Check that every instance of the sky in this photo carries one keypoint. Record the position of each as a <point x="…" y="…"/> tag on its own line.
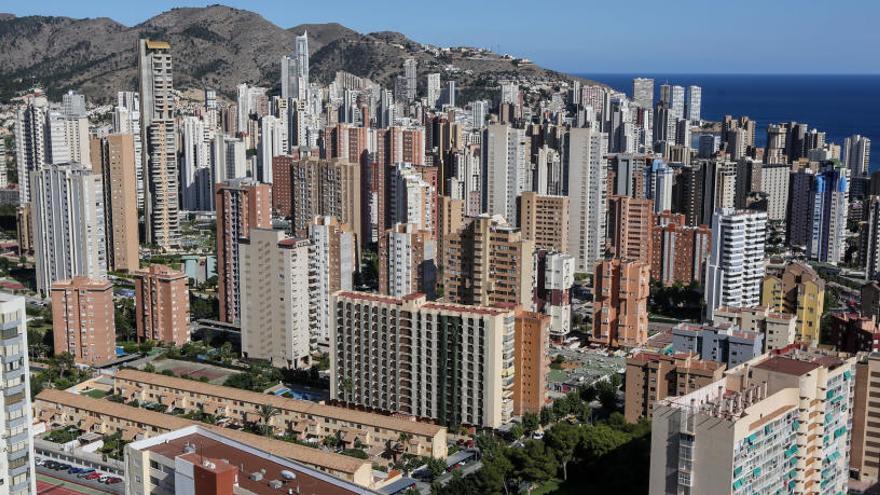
<point x="583" y="36"/>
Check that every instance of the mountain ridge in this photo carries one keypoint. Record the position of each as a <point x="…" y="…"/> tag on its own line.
<point x="219" y="47"/>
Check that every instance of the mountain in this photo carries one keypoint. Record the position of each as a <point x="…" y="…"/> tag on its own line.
<point x="220" y="47"/>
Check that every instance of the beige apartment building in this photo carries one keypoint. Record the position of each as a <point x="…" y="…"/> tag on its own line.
<point x="162" y="305"/>
<point x="446" y="362"/>
<point x="274" y="290"/>
<point x="798" y="290"/>
<point x="652" y="376"/>
<point x="779" y="329"/>
<point x="305" y="419"/>
<point x="113" y="159"/>
<point x="620" y="302"/>
<point x="543" y="219"/>
<point x="58" y="408"/>
<point x="488" y="262"/>
<point x="83" y="319"/>
<point x="864" y="462"/>
<point x="532" y="362"/>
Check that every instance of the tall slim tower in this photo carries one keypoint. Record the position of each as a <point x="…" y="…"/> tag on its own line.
<point x="17" y="468"/>
<point x="694" y="102"/>
<point x="643" y="92"/>
<point x="586" y="183"/>
<point x="735" y="269"/>
<point x="159" y="137"/>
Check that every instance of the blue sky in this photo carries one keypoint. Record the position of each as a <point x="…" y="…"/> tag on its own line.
<point x="646" y="36"/>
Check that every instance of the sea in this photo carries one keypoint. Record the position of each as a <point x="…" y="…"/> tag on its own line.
<point x="839" y="105"/>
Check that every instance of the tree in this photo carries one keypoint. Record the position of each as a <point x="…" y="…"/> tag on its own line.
<point x="530" y="422"/>
<point x="267" y="412"/>
<point x="562" y="440"/>
<point x="516" y="431"/>
<point x="436" y="467"/>
<point x="607" y="394"/>
<point x="533" y="462"/>
<point x="598" y="441"/>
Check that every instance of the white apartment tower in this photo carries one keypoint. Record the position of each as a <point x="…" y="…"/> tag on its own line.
<point x="506" y="169"/>
<point x="856" y="155"/>
<point x="586" y="168"/>
<point x="295" y="70"/>
<point x="17" y="461"/>
<point x="68" y="220"/>
<point x="643" y="92"/>
<point x="694" y="102"/>
<point x="735" y="269"/>
<point x="433" y="89"/>
<point x="332" y="262"/>
<point x="274" y="278"/>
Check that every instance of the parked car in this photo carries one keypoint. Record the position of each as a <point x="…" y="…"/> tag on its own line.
<point x="74" y="470"/>
<point x="62" y="466"/>
<point x="93" y="475"/>
<point x="85" y="472"/>
<point x="113" y="481"/>
<point x="103" y="478"/>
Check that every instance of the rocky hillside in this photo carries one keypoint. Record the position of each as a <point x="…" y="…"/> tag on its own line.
<point x="220" y="47"/>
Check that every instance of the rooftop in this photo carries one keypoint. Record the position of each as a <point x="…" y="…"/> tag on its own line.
<point x="216" y="451"/>
<point x="300" y="406"/>
<point x="167" y="422"/>
<point x="787" y="365"/>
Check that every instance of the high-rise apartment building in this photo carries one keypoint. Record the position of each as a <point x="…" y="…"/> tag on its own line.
<point x="735" y="268"/>
<point x="829" y="202"/>
<point x="869" y="242"/>
<point x="554" y="272"/>
<point x="800" y="291"/>
<point x="412" y="196"/>
<point x="83" y="320"/>
<point x="798" y="225"/>
<point x="643" y="92"/>
<point x="451" y="363"/>
<point x="31" y="135"/>
<point x="159" y="138"/>
<point x="775" y="183"/>
<point x="855" y="154"/>
<point x="295" y="70"/>
<point x="586" y="166"/>
<point x="68" y="221"/>
<point x="487" y="262"/>
<point x="620" y="302"/>
<point x="333" y="262"/>
<point x="651" y="377"/>
<point x="433" y="89"/>
<point x="18" y="466"/>
<point x="275" y="298"/>
<point x="544" y="220"/>
<point x="630" y="222"/>
<point x="694" y="102"/>
<point x="325" y="188"/>
<point x="161" y="297"/>
<point x="532" y="362"/>
<point x="658" y="185"/>
<point x="407" y="261"/>
<point x="113" y="159"/>
<point x="506" y="169"/>
<point x="780" y="423"/>
<point x="673" y="97"/>
<point x="863" y="465"/>
<point x="242" y="205"/>
<point x="678" y="251"/>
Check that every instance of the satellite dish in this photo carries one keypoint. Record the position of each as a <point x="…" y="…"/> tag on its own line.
<point x="288" y="475"/>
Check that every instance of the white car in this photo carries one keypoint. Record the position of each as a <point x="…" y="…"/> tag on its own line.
<point x="538" y="435"/>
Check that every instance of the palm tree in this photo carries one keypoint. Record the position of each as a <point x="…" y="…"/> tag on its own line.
<point x="267" y="412"/>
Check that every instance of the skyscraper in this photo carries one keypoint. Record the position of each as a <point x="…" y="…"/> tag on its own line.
<point x="856" y="155"/>
<point x="68" y="220"/>
<point x="620" y="306"/>
<point x="275" y="268"/>
<point x="295" y="70"/>
<point x="532" y="362"/>
<point x="587" y="170"/>
<point x="242" y="205"/>
<point x="828" y="214"/>
<point x="18" y="466"/>
<point x="658" y="185"/>
<point x="630" y="222"/>
<point x="643" y="92"/>
<point x="433" y="89"/>
<point x="333" y="260"/>
<point x="673" y="97"/>
<point x="735" y="269"/>
<point x="159" y="137"/>
<point x="30" y="142"/>
<point x="410" y="77"/>
<point x="113" y="160"/>
<point x="506" y="169"/>
<point x="407" y="261"/>
<point x="694" y="101"/>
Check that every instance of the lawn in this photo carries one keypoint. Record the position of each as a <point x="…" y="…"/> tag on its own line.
<point x="96" y="394"/>
<point x="63" y="435"/>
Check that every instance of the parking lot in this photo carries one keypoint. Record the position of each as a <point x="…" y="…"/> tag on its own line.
<point x="87" y="477"/>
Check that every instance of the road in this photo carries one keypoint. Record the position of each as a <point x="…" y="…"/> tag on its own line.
<point x="470" y="468"/>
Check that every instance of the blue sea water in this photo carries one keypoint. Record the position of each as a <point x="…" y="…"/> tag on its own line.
<point x="839" y="105"/>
